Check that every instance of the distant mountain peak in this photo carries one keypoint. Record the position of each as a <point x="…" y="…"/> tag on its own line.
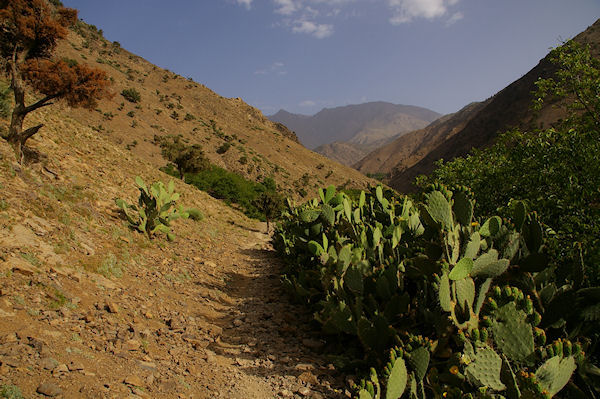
<point x="363" y="124"/>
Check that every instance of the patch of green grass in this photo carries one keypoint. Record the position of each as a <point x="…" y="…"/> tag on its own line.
<point x="31" y="258"/>
<point x="19" y="300"/>
<point x="8" y="391"/>
<point x="58" y="300"/>
<point x="111" y="266"/>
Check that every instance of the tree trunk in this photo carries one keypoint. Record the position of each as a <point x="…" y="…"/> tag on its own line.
<point x="267" y="225"/>
<point x="16" y="136"/>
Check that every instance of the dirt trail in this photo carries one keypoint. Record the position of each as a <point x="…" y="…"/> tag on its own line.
<point x="212" y="323"/>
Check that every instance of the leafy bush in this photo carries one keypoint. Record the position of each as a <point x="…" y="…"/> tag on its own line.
<point x="156" y="209"/>
<point x="227" y="186"/>
<point x="186" y="158"/>
<point x="10" y="392"/>
<point x="554" y="170"/>
<point x="195" y="214"/>
<point x="223" y="148"/>
<point x="131" y="95"/>
<point x="269" y="204"/>
<point x="468" y="305"/>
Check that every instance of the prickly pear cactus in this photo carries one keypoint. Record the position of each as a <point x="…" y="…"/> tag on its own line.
<point x="431" y="280"/>
<point x="155" y="210"/>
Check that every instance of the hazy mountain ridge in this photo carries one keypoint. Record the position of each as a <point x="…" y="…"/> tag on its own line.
<point x="409" y="148"/>
<point x="359" y="124"/>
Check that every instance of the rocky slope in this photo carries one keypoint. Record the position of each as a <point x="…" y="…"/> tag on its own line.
<point x="92" y="309"/>
<point x="254" y="146"/>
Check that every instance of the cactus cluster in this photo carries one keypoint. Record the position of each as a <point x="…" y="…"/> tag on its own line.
<point x="155" y="210"/>
<point x="463" y="302"/>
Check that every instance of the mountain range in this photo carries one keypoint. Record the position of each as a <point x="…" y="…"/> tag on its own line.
<point x="347" y="133"/>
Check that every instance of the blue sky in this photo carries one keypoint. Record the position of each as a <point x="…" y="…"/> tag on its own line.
<point x="303" y="55"/>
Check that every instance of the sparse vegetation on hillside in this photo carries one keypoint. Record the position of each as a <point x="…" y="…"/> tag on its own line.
<point x="29" y="35"/>
<point x="131" y="95"/>
<point x="231" y="188"/>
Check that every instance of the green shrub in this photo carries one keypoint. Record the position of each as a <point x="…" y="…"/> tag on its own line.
<point x="223" y="148"/>
<point x="227" y="186"/>
<point x="195" y="214"/>
<point x="186" y="158"/>
<point x="8" y="391"/>
<point x="554" y="170"/>
<point x="131" y="95"/>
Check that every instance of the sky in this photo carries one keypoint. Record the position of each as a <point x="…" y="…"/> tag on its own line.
<point x="305" y="55"/>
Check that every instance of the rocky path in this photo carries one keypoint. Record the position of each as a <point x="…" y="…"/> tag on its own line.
<point x="194" y="322"/>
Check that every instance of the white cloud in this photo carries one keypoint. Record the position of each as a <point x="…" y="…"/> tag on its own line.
<point x="317" y="18"/>
<point x="245" y="3"/>
<point x="404" y="11"/>
<point x="320" y="31"/>
<point x="286" y="7"/>
<point x="457" y="16"/>
<point x="276" y="68"/>
<point x="310" y="17"/>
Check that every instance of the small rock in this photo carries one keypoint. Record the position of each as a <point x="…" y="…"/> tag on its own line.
<point x="22" y="267"/>
<point x="112" y="307"/>
<point x="150" y="366"/>
<point x="134" y="380"/>
<point x="49" y="389"/>
<point x="9" y="338"/>
<point x="237" y="322"/>
<point x="60" y="369"/>
<point x="308" y="378"/>
<point x="304" y="366"/>
<point x="131" y="345"/>
<point x="304" y="391"/>
<point x="48" y="363"/>
<point x="284" y="393"/>
<point x="75" y="366"/>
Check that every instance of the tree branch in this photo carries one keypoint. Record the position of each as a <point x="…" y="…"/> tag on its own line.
<point x="41" y="103"/>
<point x="30" y="132"/>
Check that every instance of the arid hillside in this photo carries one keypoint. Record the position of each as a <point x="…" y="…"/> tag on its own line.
<point x="472" y="127"/>
<point x="233" y="134"/>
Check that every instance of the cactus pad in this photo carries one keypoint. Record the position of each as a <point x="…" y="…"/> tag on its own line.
<point x="488" y="265"/>
<point x="512" y="333"/>
<point x="555" y="373"/>
<point x="397" y="380"/>
<point x="484" y="371"/>
<point x="439" y="209"/>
